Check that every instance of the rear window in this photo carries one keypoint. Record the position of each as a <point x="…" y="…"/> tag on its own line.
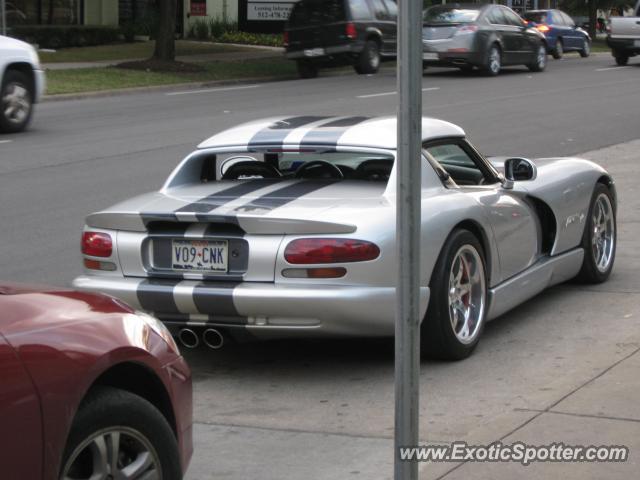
<point x="292" y="165"/>
<point x="444" y="15"/>
<point x="315" y="12"/>
<point x="536" y="17"/>
<point x="359" y="10"/>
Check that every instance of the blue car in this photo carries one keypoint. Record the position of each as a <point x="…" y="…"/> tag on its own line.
<point x="561" y="32"/>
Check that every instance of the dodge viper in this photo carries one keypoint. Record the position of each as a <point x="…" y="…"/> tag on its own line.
<point x="286" y="226"/>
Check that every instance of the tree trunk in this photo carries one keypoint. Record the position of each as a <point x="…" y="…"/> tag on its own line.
<point x="165" y="36"/>
<point x="593" y="9"/>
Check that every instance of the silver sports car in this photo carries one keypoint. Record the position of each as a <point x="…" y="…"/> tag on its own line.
<point x="286" y="226"/>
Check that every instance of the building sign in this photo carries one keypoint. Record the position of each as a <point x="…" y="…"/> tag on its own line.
<point x="268" y="10"/>
<point x="198" y="8"/>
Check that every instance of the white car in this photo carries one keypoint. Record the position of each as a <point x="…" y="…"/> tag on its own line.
<point x="23" y="83"/>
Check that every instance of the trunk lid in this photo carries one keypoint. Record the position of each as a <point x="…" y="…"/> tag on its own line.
<point x="249" y="228"/>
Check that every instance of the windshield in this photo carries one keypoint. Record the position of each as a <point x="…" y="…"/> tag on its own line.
<point x="536" y="17"/>
<point x="444" y="15"/>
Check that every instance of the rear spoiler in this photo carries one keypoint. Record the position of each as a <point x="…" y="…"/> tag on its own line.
<point x="252" y="224"/>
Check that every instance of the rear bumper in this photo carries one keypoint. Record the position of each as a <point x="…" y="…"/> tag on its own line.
<point x="264" y="309"/>
<point x="336" y="54"/>
<point x="625" y="45"/>
<point x="452" y="59"/>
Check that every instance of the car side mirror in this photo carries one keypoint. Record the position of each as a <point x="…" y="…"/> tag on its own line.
<point x="519" y="169"/>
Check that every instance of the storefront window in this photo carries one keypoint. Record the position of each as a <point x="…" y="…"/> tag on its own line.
<point x="43" y="12"/>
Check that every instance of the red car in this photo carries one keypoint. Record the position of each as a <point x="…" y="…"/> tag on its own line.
<point x="89" y="389"/>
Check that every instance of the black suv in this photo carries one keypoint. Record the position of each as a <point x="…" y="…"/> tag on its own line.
<point x="341" y="32"/>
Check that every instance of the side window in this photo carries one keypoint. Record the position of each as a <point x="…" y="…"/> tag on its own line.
<point x="512" y="17"/>
<point x="392" y="8"/>
<point x="568" y="21"/>
<point x="460" y="166"/>
<point x="556" y="18"/>
<point x="496" y="17"/>
<point x="359" y="10"/>
<point x="379" y="10"/>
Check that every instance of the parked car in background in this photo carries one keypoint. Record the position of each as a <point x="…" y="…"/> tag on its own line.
<point x="561" y="32"/>
<point x="624" y="37"/>
<point x="22" y="83"/>
<point x="484" y="36"/>
<point x="341" y="32"/>
<point x="90" y="389"/>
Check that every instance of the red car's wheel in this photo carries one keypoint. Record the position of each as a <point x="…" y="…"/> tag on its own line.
<point x="117" y="434"/>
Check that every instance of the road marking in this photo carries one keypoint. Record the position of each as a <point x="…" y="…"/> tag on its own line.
<point x="610" y="68"/>
<point x="384" y="94"/>
<point x="6" y="141"/>
<point x="212" y="90"/>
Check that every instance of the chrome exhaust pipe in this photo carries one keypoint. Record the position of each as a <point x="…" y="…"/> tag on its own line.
<point x="212" y="338"/>
<point x="188" y="338"/>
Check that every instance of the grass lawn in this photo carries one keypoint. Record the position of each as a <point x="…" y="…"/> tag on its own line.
<point x="125" y="51"/>
<point x="599" y="45"/>
<point x="107" y="78"/>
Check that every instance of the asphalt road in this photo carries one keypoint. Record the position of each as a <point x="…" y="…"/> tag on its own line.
<point x="324" y="409"/>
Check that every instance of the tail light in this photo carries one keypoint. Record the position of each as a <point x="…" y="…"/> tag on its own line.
<point x="285" y="39"/>
<point x="351" y="31"/>
<point x="97" y="244"/>
<point x="464" y="29"/>
<point x="330" y="250"/>
<point x="543" y="28"/>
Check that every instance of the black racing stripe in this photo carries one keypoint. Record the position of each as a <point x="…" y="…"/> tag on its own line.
<point x="287" y="194"/>
<point x="330" y="133"/>
<point x="215" y="299"/>
<point x="150" y="217"/>
<point x="275" y="133"/>
<point x="156" y="295"/>
<point x="218" y="199"/>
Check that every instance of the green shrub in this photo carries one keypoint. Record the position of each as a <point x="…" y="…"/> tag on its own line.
<point x="246" y="38"/>
<point x="199" y="29"/>
<point x="61" y="36"/>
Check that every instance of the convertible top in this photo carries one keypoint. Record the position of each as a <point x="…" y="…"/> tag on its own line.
<point x="325" y="131"/>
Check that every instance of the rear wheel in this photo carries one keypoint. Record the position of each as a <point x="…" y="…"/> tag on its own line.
<point x="599" y="238"/>
<point x="559" y="50"/>
<point x="621" y="59"/>
<point x="369" y="59"/>
<point x="119" y="435"/>
<point x="456" y="314"/>
<point x="493" y="61"/>
<point x="540" y="62"/>
<point x="16" y="102"/>
<point x="585" y="51"/>
<point x="307" y="69"/>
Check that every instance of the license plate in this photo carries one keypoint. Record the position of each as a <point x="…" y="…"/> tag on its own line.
<point x="429" y="56"/>
<point x="314" y="52"/>
<point x="199" y="255"/>
<point x="636" y="43"/>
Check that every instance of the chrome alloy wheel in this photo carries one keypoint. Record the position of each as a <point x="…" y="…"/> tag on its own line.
<point x="603" y="232"/>
<point x="16" y="103"/>
<point x="494" y="60"/>
<point x="117" y="453"/>
<point x="586" y="48"/>
<point x="467" y="292"/>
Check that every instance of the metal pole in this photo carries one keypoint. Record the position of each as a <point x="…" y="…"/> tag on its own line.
<point x="4" y="17"/>
<point x="408" y="186"/>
